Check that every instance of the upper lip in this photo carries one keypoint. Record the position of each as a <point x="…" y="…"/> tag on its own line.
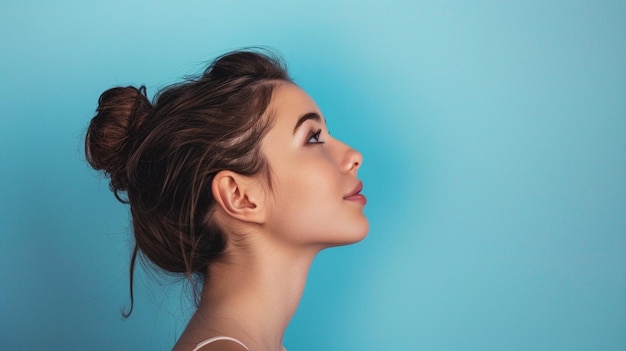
<point x="357" y="189"/>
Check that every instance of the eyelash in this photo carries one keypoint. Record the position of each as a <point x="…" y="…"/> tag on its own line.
<point x="316" y="137"/>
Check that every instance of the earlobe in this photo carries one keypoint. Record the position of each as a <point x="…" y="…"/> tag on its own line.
<point x="237" y="196"/>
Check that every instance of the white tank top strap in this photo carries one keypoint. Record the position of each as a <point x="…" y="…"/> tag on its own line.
<point x="217" y="338"/>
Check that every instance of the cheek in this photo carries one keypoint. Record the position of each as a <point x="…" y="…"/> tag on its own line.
<point x="301" y="201"/>
<point x="307" y="179"/>
<point x="307" y="195"/>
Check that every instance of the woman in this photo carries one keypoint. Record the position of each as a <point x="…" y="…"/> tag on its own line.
<point x="234" y="181"/>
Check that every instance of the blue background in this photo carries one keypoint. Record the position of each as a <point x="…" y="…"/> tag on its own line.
<point x="494" y="141"/>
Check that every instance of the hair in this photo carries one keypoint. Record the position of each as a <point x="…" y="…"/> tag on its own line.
<point x="164" y="155"/>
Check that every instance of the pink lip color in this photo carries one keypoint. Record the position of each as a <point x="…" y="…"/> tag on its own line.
<point x="356" y="196"/>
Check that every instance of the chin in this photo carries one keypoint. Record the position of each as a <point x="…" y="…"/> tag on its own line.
<point x="348" y="238"/>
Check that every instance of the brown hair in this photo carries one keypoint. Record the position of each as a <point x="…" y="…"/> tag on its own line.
<point x="164" y="155"/>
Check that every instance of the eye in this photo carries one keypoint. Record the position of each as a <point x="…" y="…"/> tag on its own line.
<point x="314" y="137"/>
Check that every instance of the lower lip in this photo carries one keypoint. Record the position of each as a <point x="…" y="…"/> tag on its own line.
<point x="360" y="198"/>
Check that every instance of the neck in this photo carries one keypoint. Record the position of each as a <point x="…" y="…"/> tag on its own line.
<point x="253" y="295"/>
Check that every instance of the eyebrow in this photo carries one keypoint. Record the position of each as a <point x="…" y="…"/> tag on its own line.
<point x="306" y="117"/>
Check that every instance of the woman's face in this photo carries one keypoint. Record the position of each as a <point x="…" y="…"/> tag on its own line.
<point x="315" y="193"/>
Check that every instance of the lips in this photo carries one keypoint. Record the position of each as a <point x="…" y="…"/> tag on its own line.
<point x="355" y="195"/>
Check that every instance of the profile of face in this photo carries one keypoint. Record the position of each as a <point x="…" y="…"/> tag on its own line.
<point x="315" y="196"/>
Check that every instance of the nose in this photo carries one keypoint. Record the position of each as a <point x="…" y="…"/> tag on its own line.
<point x="352" y="160"/>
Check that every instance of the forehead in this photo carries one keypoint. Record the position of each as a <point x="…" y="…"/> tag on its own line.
<point x="290" y="102"/>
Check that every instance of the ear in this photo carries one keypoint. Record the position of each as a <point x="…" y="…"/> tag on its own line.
<point x="239" y="196"/>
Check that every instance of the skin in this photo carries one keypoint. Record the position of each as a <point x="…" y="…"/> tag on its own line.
<point x="276" y="230"/>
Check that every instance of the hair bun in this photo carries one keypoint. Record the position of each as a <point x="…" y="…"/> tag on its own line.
<point x="121" y="112"/>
